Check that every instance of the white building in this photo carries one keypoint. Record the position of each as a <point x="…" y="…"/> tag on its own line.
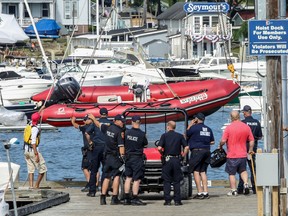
<point x="67" y="12"/>
<point x="192" y="36"/>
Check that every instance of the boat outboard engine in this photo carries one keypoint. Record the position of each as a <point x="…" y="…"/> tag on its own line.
<point x="65" y="90"/>
<point x="138" y="92"/>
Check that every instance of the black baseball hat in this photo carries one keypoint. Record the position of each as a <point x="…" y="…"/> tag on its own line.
<point x="246" y="108"/>
<point x="200" y="116"/>
<point x="103" y="111"/>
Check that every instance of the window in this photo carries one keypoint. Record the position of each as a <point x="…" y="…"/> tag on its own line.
<point x="206" y="20"/>
<point x="197" y="25"/>
<point x="71" y="9"/>
<point x="12" y="9"/>
<point x="45" y="10"/>
<point x="26" y="12"/>
<point x="215" y="21"/>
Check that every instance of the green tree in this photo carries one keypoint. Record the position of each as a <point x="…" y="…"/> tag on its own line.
<point x="242" y="32"/>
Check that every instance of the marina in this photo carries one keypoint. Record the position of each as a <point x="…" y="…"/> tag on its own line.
<point x="225" y="58"/>
<point x="219" y="204"/>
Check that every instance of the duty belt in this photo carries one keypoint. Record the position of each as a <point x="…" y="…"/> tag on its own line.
<point x="168" y="157"/>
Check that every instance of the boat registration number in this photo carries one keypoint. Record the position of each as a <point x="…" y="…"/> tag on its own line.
<point x="194" y="98"/>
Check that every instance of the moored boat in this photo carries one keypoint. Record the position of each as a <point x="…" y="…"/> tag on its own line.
<point x="205" y="96"/>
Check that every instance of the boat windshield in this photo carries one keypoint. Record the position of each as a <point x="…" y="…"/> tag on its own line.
<point x="204" y="61"/>
<point x="70" y="69"/>
<point x="121" y="61"/>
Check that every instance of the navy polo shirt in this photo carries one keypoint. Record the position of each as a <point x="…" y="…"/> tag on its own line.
<point x="135" y="141"/>
<point x="96" y="135"/>
<point x="114" y="137"/>
<point x="255" y="126"/>
<point x="83" y="129"/>
<point x="200" y="136"/>
<point x="172" y="142"/>
<point x="105" y="120"/>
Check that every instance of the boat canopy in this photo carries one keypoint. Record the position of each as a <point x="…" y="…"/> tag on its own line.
<point x="47" y="28"/>
<point x="10" y="31"/>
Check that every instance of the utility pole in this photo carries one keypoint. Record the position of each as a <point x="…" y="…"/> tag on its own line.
<point x="144" y="13"/>
<point x="274" y="101"/>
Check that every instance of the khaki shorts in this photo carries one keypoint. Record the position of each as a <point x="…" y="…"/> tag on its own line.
<point x="31" y="162"/>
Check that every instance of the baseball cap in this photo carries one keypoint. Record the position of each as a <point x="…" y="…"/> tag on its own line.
<point x="35" y="118"/>
<point x="119" y="117"/>
<point x="103" y="111"/>
<point x="246" y="108"/>
<point x="200" y="116"/>
<point x="136" y="118"/>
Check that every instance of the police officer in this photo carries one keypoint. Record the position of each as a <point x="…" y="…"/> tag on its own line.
<point x="103" y="119"/>
<point x="114" y="154"/>
<point x="200" y="137"/>
<point x="135" y="141"/>
<point x="255" y="126"/>
<point x="103" y="116"/>
<point x="85" y="160"/>
<point x="170" y="147"/>
<point x="97" y="142"/>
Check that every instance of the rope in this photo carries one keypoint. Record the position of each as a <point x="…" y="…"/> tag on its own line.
<point x="253" y="172"/>
<point x="142" y="51"/>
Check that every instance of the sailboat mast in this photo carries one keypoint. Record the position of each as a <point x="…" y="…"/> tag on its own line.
<point x="38" y="39"/>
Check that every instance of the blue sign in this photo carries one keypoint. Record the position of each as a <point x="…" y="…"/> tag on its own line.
<point x="268" y="37"/>
<point x="195" y="7"/>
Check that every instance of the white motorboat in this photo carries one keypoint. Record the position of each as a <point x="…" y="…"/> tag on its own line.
<point x="14" y="87"/>
<point x="89" y="78"/>
<point x="247" y="71"/>
<point x="132" y="66"/>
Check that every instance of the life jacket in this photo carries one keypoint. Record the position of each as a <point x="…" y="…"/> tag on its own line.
<point x="27" y="135"/>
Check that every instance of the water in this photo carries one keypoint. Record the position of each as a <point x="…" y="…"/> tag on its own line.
<point x="61" y="148"/>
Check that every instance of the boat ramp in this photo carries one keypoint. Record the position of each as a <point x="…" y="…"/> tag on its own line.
<point x="218" y="204"/>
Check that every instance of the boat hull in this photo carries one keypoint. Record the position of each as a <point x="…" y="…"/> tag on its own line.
<point x="22" y="89"/>
<point x="206" y="97"/>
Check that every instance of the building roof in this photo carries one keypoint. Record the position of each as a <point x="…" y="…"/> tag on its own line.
<point x="175" y="12"/>
<point x="245" y="14"/>
<point x="147" y="32"/>
<point x="154" y="41"/>
<point x="125" y="30"/>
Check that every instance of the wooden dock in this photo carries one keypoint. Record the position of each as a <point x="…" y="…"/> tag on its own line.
<point x="218" y="204"/>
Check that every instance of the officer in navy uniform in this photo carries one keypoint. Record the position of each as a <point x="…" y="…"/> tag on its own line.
<point x="170" y="146"/>
<point x="114" y="154"/>
<point x="255" y="126"/>
<point x="103" y="119"/>
<point x="85" y="160"/>
<point x="135" y="142"/>
<point x="200" y="137"/>
<point x="103" y="116"/>
<point x="97" y="142"/>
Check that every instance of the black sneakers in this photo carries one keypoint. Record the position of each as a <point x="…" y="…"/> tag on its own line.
<point x="90" y="194"/>
<point x="137" y="202"/>
<point x="206" y="196"/>
<point x="102" y="200"/>
<point x="115" y="200"/>
<point x="179" y="203"/>
<point x="232" y="193"/>
<point x="127" y="202"/>
<point x="167" y="203"/>
<point x="246" y="189"/>
<point x="198" y="196"/>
